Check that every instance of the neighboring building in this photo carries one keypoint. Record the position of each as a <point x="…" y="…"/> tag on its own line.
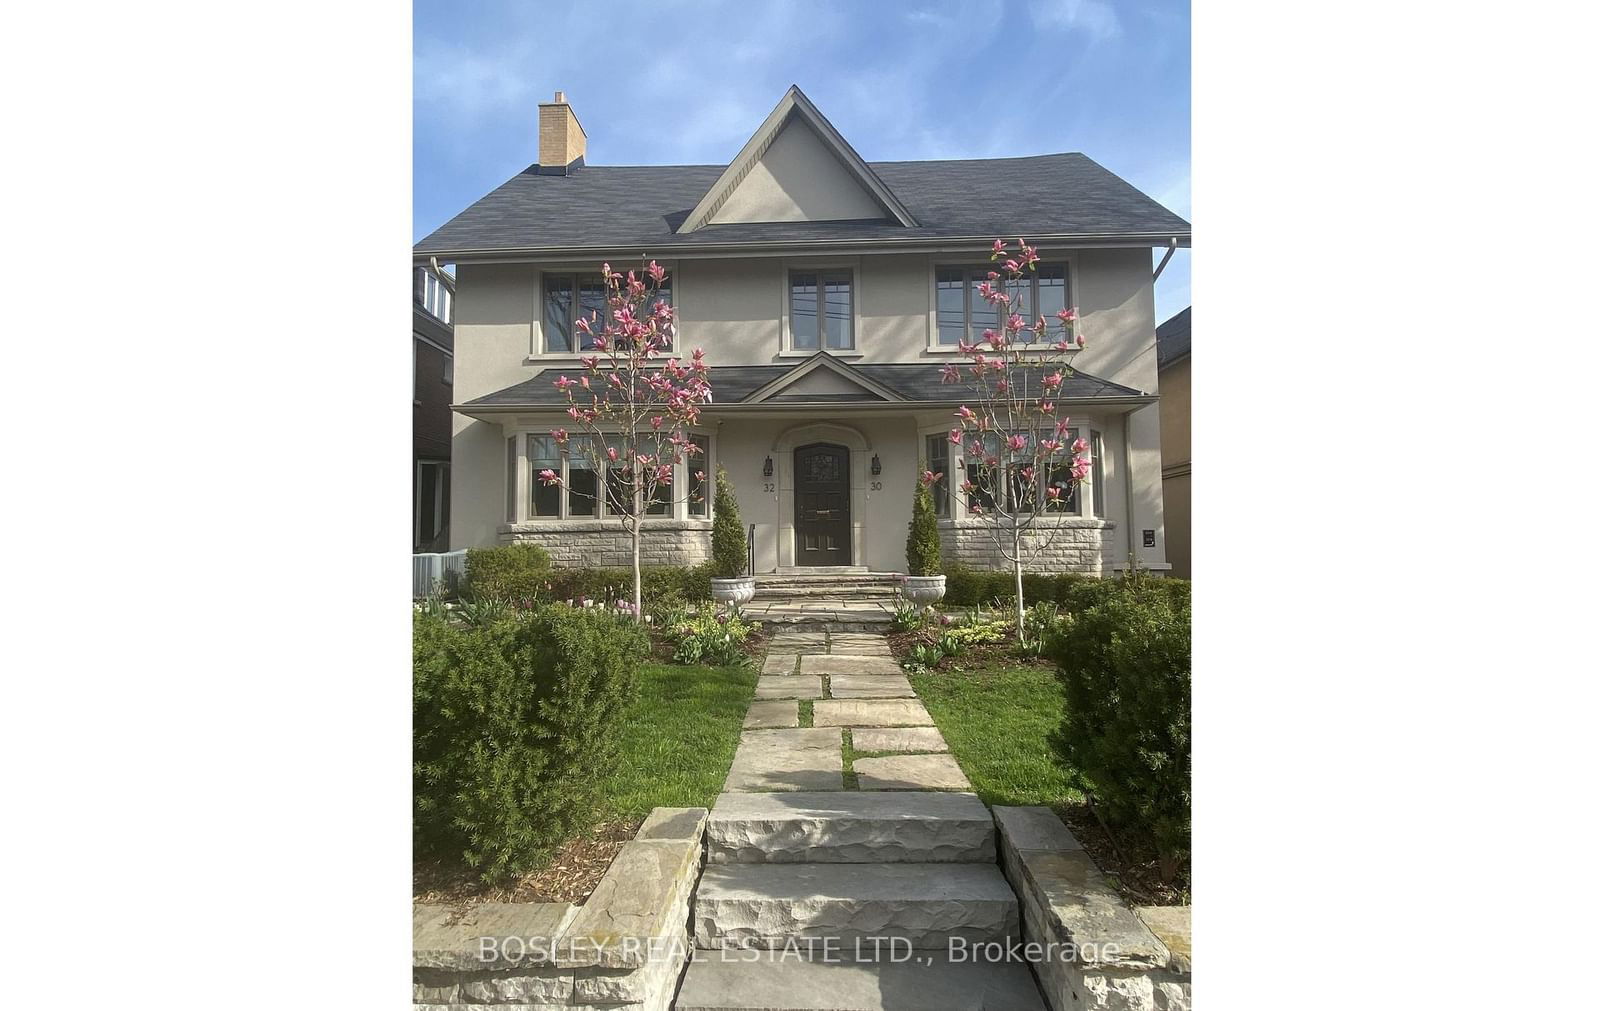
<point x="1172" y="362"/>
<point x="827" y="293"/>
<point x="432" y="389"/>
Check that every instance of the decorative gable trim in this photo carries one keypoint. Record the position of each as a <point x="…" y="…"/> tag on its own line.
<point x="821" y="360"/>
<point x="794" y="103"/>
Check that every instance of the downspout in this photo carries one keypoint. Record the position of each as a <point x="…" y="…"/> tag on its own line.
<point x="1172" y="247"/>
<point x="1127" y="481"/>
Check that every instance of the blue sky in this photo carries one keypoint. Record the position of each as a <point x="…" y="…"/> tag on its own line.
<point x="688" y="82"/>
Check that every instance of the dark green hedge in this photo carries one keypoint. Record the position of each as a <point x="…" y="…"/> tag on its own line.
<point x="522" y="573"/>
<point x="511" y="572"/>
<point x="966" y="587"/>
<point x="510" y="723"/>
<point x="1124" y="665"/>
<point x="661" y="584"/>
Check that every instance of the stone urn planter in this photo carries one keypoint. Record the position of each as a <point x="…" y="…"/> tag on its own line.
<point x="924" y="590"/>
<point x="740" y="589"/>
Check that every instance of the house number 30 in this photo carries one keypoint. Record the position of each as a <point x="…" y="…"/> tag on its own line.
<point x="877" y="486"/>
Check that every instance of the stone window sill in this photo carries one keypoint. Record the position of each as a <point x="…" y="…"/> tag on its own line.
<point x="610" y="526"/>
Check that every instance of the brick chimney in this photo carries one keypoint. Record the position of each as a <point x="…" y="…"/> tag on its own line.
<point x="561" y="138"/>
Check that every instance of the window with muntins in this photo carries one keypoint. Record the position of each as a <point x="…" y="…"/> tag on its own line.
<point x="939" y="463"/>
<point x="822" y="310"/>
<point x="962" y="313"/>
<point x="561" y="313"/>
<point x="698" y="466"/>
<point x="435" y="297"/>
<point x="543" y="454"/>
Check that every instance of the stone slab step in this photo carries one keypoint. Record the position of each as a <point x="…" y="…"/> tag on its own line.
<point x="849" y="827"/>
<point x="776" y="983"/>
<point x="922" y="905"/>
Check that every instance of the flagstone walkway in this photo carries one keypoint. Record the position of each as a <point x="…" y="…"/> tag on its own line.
<point x="844" y="819"/>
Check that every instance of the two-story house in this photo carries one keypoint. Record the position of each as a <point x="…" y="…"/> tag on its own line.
<point x="828" y="293"/>
<point x="432" y="390"/>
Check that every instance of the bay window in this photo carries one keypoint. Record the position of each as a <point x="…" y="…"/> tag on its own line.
<point x="580" y="495"/>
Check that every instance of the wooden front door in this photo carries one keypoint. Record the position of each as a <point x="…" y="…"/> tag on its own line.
<point x="822" y="505"/>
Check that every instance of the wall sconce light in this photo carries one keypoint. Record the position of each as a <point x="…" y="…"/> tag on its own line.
<point x="877" y="465"/>
<point x="766" y="468"/>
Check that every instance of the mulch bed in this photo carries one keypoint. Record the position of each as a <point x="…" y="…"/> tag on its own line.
<point x="1131" y="867"/>
<point x="570" y="876"/>
<point x="978" y="657"/>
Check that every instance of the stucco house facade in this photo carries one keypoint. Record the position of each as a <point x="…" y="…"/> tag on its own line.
<point x="828" y="293"/>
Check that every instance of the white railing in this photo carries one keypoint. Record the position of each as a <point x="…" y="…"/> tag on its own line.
<point x="432" y="571"/>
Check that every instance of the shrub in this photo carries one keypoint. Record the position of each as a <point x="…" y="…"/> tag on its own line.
<point x="1072" y="591"/>
<point x="710" y="638"/>
<point x="662" y="585"/>
<point x="511" y="572"/>
<point x="922" y="541"/>
<point x="1124" y="664"/>
<point x="509" y="722"/>
<point x="727" y="532"/>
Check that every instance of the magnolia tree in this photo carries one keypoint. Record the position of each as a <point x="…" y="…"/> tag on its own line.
<point x="634" y="404"/>
<point x="1020" y="467"/>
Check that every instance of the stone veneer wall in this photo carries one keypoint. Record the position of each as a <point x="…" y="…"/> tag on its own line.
<point x="1080" y="545"/>
<point x="624" y="949"/>
<point x="586" y="543"/>
<point x="1123" y="963"/>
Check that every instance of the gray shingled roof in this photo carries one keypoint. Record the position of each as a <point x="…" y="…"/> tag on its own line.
<point x="613" y="206"/>
<point x="1172" y="339"/>
<point x="731" y="384"/>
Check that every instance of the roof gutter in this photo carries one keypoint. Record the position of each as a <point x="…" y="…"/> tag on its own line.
<point x="666" y="248"/>
<point x="1126" y="403"/>
<point x="1172" y="248"/>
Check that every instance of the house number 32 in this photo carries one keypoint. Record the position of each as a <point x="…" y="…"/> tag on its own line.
<point x="769" y="486"/>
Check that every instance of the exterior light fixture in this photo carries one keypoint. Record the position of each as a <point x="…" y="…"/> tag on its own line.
<point x="877" y="465"/>
<point x="766" y="468"/>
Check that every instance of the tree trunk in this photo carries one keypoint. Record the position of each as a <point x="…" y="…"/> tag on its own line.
<point x="638" y="581"/>
<point x="1016" y="569"/>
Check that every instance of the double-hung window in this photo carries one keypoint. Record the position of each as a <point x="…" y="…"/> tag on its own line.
<point x="571" y="297"/>
<point x="961" y="311"/>
<point x="821" y="310"/>
<point x="939" y="463"/>
<point x="583" y="488"/>
<point x="544" y="500"/>
<point x="698" y="466"/>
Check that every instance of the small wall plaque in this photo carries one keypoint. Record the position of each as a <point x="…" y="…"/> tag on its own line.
<point x="1149" y="538"/>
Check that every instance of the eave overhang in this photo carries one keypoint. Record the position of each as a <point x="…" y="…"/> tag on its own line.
<point x="670" y="250"/>
<point x="499" y="413"/>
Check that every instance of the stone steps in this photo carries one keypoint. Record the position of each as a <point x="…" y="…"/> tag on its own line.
<point x="921" y="905"/>
<point x="850" y="827"/>
<point x="776" y="982"/>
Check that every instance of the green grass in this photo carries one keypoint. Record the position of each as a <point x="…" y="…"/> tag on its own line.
<point x="677" y="740"/>
<point x="998" y="725"/>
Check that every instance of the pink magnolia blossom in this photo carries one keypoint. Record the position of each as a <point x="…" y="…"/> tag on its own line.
<point x="999" y="246"/>
<point x="955" y="436"/>
<point x="657" y="274"/>
<point x="548" y="476"/>
<point x="1017" y="442"/>
<point x="965" y="413"/>
<point x="1053" y="492"/>
<point x="930" y="476"/>
<point x="1047" y="407"/>
<point x="1052" y="381"/>
<point x="590" y="362"/>
<point x="950" y="374"/>
<point x="562" y="383"/>
<point x="560" y="435"/>
<point x="1080" y="446"/>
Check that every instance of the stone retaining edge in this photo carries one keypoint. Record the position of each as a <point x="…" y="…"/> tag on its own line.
<point x="1121" y="960"/>
<point x="626" y="948"/>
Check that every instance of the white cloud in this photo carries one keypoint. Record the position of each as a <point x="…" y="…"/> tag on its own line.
<point x="1093" y="17"/>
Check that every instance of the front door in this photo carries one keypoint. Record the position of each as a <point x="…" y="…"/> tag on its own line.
<point x="822" y="505"/>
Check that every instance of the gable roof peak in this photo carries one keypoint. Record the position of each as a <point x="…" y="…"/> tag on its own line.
<point x="794" y="105"/>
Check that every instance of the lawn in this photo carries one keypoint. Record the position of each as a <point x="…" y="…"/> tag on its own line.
<point x="678" y="740"/>
<point x="998" y="723"/>
<point x="673" y="750"/>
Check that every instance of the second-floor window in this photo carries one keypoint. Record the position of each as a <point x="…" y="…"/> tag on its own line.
<point x="571" y="297"/>
<point x="962" y="312"/>
<point x="821" y="310"/>
<point x="436" y="297"/>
